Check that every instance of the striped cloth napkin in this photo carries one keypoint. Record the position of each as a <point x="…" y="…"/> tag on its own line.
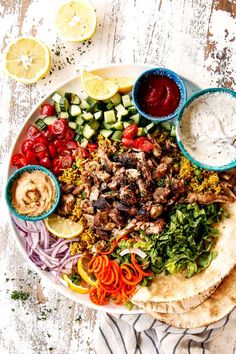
<point x="141" y="334"/>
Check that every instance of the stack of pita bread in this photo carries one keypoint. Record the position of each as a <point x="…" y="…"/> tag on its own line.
<point x="203" y="299"/>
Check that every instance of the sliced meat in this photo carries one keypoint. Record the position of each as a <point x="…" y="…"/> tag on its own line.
<point x="208" y="198"/>
<point x="101" y="219"/>
<point x="102" y="234"/>
<point x="94" y="194"/>
<point x="89" y="219"/>
<point x="157" y="228"/>
<point x="129" y="228"/>
<point x="67" y="188"/>
<point x="132" y="173"/>
<point x="160" y="171"/>
<point x="68" y="201"/>
<point x="117" y="217"/>
<point x="127" y="159"/>
<point x="101" y="204"/>
<point x="103" y="175"/>
<point x="77" y="190"/>
<point x="166" y="160"/>
<point x="129" y="210"/>
<point x="178" y="187"/>
<point x="143" y="188"/>
<point x="156" y="211"/>
<point x="160" y="195"/>
<point x="157" y="150"/>
<point x="127" y="195"/>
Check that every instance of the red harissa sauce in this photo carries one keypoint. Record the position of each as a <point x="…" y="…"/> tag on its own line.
<point x="159" y="96"/>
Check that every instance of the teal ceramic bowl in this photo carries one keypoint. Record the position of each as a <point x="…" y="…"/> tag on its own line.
<point x="15" y="176"/>
<point x="178" y="128"/>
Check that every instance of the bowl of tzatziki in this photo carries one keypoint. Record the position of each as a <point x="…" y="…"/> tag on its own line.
<point x="206" y="129"/>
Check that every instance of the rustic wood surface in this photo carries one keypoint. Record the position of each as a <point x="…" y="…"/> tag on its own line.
<point x="195" y="38"/>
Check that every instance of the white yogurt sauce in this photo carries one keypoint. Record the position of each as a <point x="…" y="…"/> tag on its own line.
<point x="208" y="129"/>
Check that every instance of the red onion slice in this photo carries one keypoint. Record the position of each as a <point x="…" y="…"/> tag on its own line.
<point x="136" y="251"/>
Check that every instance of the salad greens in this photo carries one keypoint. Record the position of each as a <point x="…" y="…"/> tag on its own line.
<point x="185" y="243"/>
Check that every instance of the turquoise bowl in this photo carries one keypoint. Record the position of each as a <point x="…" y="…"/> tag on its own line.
<point x="159" y="72"/>
<point x="179" y="118"/>
<point x="15" y="176"/>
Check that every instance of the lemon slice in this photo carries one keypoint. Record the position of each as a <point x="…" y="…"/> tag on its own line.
<point x="62" y="227"/>
<point x="78" y="288"/>
<point x="97" y="87"/>
<point x="84" y="275"/>
<point x="124" y="84"/>
<point x="27" y="60"/>
<point x="76" y="21"/>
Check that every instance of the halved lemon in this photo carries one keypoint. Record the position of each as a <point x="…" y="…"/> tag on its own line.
<point x="76" y="21"/>
<point x="63" y="227"/>
<point x="84" y="275"/>
<point x="27" y="60"/>
<point x="78" y="288"/>
<point x="97" y="87"/>
<point x="124" y="84"/>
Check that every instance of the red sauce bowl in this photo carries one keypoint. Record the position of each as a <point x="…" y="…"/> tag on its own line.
<point x="158" y="94"/>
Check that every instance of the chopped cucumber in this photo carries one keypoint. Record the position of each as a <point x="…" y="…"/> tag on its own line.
<point x="109" y="106"/>
<point x="74" y="99"/>
<point x="75" y="110"/>
<point x="79" y="120"/>
<point x="84" y="142"/>
<point x="88" y="132"/>
<point x="173" y="131"/>
<point x="141" y="131"/>
<point x="118" y="126"/>
<point x="116" y="99"/>
<point x="72" y="125"/>
<point x="107" y="101"/>
<point x="64" y="104"/>
<point x="78" y="137"/>
<point x="150" y="128"/>
<point x="99" y="106"/>
<point x="40" y="124"/>
<point x="98" y="115"/>
<point x="116" y="136"/>
<point x="106" y="133"/>
<point x="121" y="111"/>
<point x="68" y="96"/>
<point x="108" y="125"/>
<point x="87" y="116"/>
<point x="64" y="115"/>
<point x="91" y="101"/>
<point x="84" y="105"/>
<point x="79" y="129"/>
<point x="49" y="120"/>
<point x="166" y="125"/>
<point x="57" y="107"/>
<point x="136" y="118"/>
<point x="126" y="101"/>
<point x="132" y="110"/>
<point x="126" y="124"/>
<point x="56" y="97"/>
<point x="109" y="116"/>
<point x="94" y="124"/>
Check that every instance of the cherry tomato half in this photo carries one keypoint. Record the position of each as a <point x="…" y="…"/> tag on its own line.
<point x="42" y="154"/>
<point x="58" y="127"/>
<point x="46" y="162"/>
<point x="66" y="161"/>
<point x="92" y="147"/>
<point x="42" y="140"/>
<point x="30" y="156"/>
<point x="82" y="152"/>
<point x="71" y="145"/>
<point x="32" y="132"/>
<point x="70" y="134"/>
<point x="57" y="170"/>
<point x="38" y="147"/>
<point x="52" y="149"/>
<point x="18" y="160"/>
<point x="127" y="142"/>
<point x="58" y="143"/>
<point x="47" y="134"/>
<point x="47" y="109"/>
<point x="27" y="145"/>
<point x="63" y="151"/>
<point x="130" y="132"/>
<point x="143" y="144"/>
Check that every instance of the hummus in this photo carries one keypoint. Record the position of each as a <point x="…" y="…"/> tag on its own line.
<point x="33" y="193"/>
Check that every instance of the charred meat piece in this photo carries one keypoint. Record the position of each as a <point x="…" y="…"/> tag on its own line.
<point x="86" y="206"/>
<point x="89" y="219"/>
<point x="102" y="234"/>
<point x="103" y="175"/>
<point x="117" y="217"/>
<point x="127" y="210"/>
<point x="178" y="187"/>
<point x="166" y="160"/>
<point x="101" y="219"/>
<point x="157" y="228"/>
<point x="101" y="204"/>
<point x="157" y="150"/>
<point x="143" y="188"/>
<point x="156" y="211"/>
<point x="127" y="195"/>
<point x="129" y="228"/>
<point x="142" y="215"/>
<point x="132" y="173"/>
<point x="68" y="201"/>
<point x="67" y="188"/>
<point x="208" y="198"/>
<point x="77" y="190"/>
<point x="127" y="159"/>
<point x="160" y="171"/>
<point x="94" y="194"/>
<point x="160" y="195"/>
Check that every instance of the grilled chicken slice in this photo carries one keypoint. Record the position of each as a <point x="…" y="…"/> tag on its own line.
<point x="208" y="198"/>
<point x="117" y="217"/>
<point x="160" y="195"/>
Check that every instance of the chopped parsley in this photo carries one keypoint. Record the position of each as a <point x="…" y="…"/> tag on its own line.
<point x="19" y="295"/>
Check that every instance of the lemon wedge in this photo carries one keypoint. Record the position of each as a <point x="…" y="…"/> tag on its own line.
<point x="97" y="87"/>
<point x="62" y="227"/>
<point x="84" y="275"/>
<point x="27" y="60"/>
<point x="124" y="84"/>
<point x="78" y="288"/>
<point x="76" y="21"/>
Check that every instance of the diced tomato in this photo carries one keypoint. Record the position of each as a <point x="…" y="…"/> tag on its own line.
<point x="52" y="149"/>
<point x="56" y="161"/>
<point x="70" y="134"/>
<point x="130" y="132"/>
<point x="47" y="110"/>
<point x="46" y="162"/>
<point x="58" y="143"/>
<point x="92" y="147"/>
<point x="38" y="147"/>
<point x="71" y="145"/>
<point x="27" y="145"/>
<point x="127" y="142"/>
<point x="64" y="121"/>
<point x="30" y="156"/>
<point x="56" y="170"/>
<point x="142" y="143"/>
<point x="32" y="132"/>
<point x="66" y="161"/>
<point x="42" y="154"/>
<point x="58" y="127"/>
<point x="47" y="134"/>
<point x="63" y="151"/>
<point x="18" y="160"/>
<point x="82" y="152"/>
<point x="42" y="140"/>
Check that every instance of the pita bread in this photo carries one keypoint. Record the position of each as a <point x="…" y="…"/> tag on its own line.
<point x="218" y="305"/>
<point x="176" y="293"/>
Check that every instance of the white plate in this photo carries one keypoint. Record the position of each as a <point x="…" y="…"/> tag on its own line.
<point x="74" y="85"/>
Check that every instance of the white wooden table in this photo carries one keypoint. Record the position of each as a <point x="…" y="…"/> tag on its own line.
<point x="194" y="38"/>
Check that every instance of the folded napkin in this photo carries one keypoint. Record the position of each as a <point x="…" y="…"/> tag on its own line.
<point x="141" y="334"/>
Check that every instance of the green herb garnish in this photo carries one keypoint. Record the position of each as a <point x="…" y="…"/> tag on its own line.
<point x="19" y="295"/>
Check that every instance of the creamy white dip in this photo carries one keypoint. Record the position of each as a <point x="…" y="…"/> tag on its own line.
<point x="208" y="129"/>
